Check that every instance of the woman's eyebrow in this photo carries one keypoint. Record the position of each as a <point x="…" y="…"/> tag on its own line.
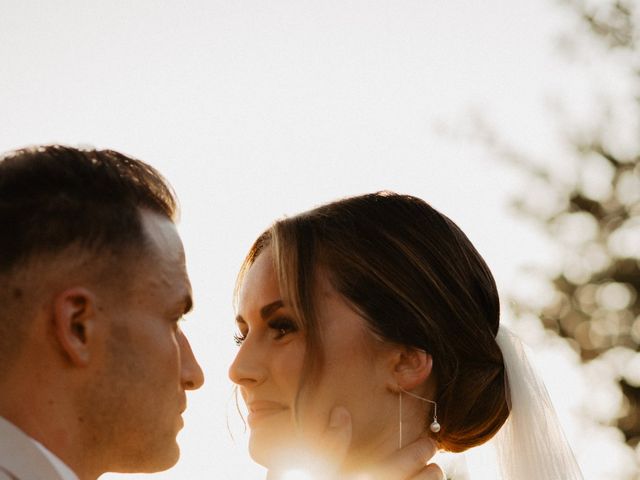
<point x="265" y="311"/>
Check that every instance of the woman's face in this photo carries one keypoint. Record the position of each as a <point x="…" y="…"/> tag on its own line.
<point x="268" y="369"/>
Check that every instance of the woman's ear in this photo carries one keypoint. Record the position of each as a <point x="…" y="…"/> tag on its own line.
<point x="74" y="312"/>
<point x="410" y="368"/>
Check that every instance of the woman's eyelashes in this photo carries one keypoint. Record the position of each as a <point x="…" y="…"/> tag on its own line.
<point x="280" y="326"/>
<point x="238" y="338"/>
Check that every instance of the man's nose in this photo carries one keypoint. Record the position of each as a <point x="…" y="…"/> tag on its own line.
<point x="192" y="375"/>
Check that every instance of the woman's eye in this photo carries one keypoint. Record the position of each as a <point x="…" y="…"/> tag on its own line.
<point x="282" y="327"/>
<point x="238" y="338"/>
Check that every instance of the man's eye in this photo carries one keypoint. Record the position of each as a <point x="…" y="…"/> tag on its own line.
<point x="282" y="327"/>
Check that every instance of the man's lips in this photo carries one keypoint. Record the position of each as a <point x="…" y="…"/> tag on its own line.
<point x="261" y="409"/>
<point x="183" y="408"/>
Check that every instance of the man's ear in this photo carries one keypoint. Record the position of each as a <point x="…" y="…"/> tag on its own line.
<point x="410" y="367"/>
<point x="74" y="323"/>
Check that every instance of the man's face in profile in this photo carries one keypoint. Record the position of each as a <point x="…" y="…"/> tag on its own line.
<point x="140" y="385"/>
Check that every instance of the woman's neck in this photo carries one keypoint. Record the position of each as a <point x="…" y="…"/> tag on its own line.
<point x="366" y="456"/>
<point x="371" y="444"/>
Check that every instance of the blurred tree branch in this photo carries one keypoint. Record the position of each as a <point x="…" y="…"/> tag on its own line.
<point x="596" y="301"/>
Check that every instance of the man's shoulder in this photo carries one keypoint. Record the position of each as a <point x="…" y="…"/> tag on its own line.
<point x="20" y="457"/>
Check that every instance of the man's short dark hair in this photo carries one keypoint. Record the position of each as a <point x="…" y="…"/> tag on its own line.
<point x="85" y="204"/>
<point x="54" y="197"/>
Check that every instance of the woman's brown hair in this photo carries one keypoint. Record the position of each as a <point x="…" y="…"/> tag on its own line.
<point x="418" y="281"/>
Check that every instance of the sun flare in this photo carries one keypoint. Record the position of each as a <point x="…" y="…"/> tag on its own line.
<point x="297" y="475"/>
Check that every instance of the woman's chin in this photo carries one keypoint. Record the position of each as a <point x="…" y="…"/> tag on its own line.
<point x="270" y="450"/>
<point x="281" y="453"/>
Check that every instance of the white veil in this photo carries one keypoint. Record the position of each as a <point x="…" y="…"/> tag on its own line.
<point x="531" y="445"/>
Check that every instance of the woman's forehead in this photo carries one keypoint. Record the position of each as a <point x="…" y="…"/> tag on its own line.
<point x="259" y="284"/>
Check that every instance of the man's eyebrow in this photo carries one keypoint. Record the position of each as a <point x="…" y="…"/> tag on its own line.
<point x="265" y="311"/>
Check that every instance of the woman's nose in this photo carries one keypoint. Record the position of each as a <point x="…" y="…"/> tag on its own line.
<point x="248" y="368"/>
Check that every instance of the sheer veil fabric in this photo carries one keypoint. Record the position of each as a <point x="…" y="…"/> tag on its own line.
<point x="531" y="445"/>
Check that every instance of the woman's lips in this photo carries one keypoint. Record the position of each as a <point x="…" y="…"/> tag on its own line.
<point x="259" y="410"/>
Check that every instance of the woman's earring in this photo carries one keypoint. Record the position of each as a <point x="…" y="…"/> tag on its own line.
<point x="434" y="427"/>
<point x="399" y="418"/>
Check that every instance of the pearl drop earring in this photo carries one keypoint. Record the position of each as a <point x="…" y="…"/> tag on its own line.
<point x="434" y="427"/>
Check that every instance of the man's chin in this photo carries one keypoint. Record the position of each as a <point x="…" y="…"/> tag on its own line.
<point x="168" y="459"/>
<point x="151" y="461"/>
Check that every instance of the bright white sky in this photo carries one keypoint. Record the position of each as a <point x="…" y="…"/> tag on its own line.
<point x="257" y="109"/>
